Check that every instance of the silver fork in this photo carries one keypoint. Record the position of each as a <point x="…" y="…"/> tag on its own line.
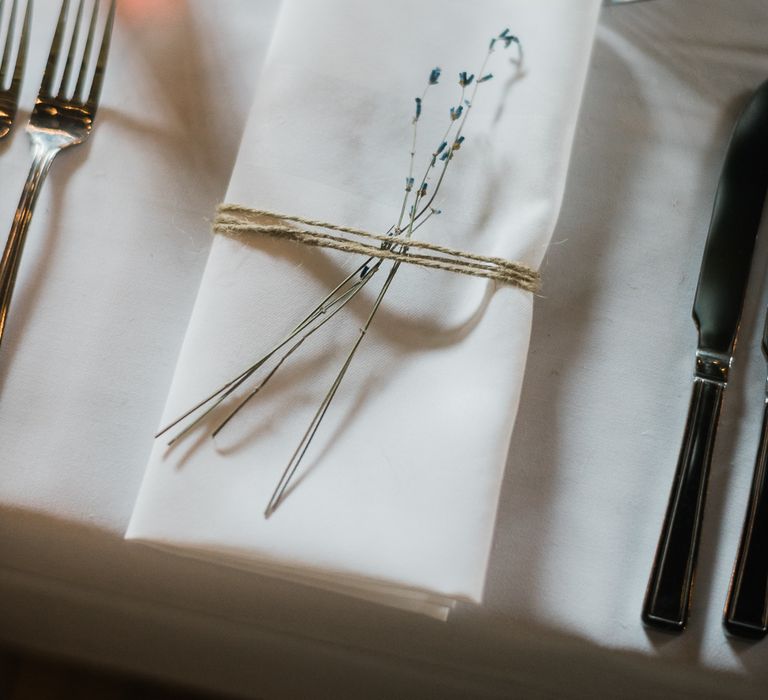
<point x="9" y="98"/>
<point x="60" y="118"/>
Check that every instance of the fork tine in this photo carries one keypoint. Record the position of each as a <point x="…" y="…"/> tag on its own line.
<point x="53" y="57"/>
<point x="71" y="53"/>
<point x="21" y="56"/>
<point x="8" y="40"/>
<point x="80" y="87"/>
<point x="101" y="65"/>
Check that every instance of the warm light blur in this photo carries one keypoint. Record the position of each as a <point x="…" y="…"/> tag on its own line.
<point x="140" y="11"/>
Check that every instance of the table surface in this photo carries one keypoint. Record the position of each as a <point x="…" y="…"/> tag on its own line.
<point x="598" y="430"/>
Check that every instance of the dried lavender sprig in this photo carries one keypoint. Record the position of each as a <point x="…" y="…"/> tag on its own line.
<point x="364" y="270"/>
<point x="433" y="78"/>
<point x="303" y="446"/>
<point x="340" y="298"/>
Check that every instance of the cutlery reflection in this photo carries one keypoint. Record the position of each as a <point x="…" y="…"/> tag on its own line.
<point x="716" y="311"/>
<point x="9" y="97"/>
<point x="63" y="116"/>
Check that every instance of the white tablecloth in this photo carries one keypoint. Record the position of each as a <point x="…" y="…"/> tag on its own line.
<point x="86" y="367"/>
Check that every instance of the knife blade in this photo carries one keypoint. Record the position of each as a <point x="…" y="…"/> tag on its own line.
<point x="716" y="312"/>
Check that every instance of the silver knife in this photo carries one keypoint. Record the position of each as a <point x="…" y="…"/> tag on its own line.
<point x="746" y="608"/>
<point x="716" y="312"/>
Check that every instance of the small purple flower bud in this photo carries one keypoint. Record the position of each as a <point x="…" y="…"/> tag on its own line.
<point x="508" y="38"/>
<point x="418" y="109"/>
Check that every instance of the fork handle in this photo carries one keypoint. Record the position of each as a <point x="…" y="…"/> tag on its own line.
<point x="746" y="610"/>
<point x="9" y="264"/>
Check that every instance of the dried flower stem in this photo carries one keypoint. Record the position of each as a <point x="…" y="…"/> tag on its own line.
<point x="419" y="212"/>
<point x="298" y="455"/>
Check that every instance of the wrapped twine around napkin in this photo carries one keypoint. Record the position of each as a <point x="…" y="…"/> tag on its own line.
<point x="234" y="219"/>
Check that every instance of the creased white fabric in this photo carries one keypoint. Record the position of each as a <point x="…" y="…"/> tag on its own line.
<point x="106" y="288"/>
<point x="397" y="497"/>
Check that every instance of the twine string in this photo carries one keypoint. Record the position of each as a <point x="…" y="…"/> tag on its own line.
<point x="237" y="220"/>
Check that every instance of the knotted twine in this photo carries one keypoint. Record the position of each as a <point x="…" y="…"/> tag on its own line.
<point x="236" y="220"/>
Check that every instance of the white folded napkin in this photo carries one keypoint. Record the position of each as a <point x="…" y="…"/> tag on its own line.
<point x="397" y="497"/>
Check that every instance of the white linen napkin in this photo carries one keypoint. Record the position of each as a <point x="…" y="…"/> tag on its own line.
<point x="397" y="497"/>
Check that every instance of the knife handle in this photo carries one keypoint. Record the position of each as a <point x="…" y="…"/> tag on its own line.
<point x="669" y="589"/>
<point x="746" y="610"/>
